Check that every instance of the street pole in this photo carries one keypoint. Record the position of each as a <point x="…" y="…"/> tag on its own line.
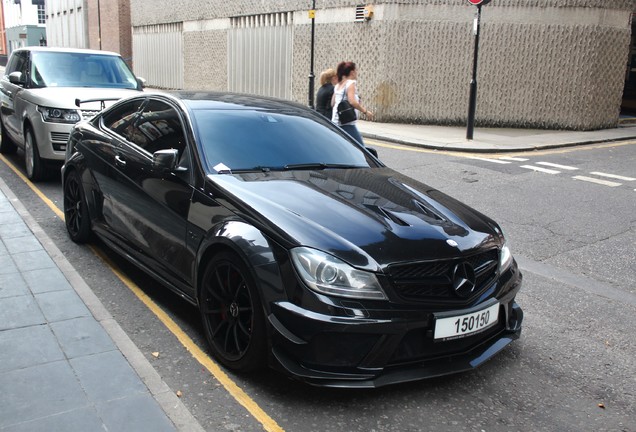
<point x="472" y="103"/>
<point x="312" y="15"/>
<point x="99" y="24"/>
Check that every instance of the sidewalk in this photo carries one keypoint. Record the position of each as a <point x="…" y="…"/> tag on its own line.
<point x="65" y="364"/>
<point x="489" y="140"/>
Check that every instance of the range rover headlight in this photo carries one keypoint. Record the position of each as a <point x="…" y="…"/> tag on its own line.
<point x="327" y="274"/>
<point x="59" y="115"/>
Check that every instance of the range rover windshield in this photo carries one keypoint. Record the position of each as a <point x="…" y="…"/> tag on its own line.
<point x="68" y="69"/>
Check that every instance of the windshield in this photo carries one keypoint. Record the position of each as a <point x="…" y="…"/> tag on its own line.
<point x="245" y="140"/>
<point x="65" y="69"/>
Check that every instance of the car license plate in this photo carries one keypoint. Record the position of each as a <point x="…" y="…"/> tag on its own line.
<point x="458" y="326"/>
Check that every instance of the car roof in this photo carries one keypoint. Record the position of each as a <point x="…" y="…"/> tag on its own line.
<point x="66" y="50"/>
<point x="227" y="100"/>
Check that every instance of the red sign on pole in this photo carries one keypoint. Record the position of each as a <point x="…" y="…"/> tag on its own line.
<point x="478" y="2"/>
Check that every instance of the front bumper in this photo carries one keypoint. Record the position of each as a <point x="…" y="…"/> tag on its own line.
<point x="371" y="349"/>
<point x="51" y="138"/>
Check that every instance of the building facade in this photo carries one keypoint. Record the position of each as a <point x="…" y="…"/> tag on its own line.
<point x="3" y="37"/>
<point x="25" y="23"/>
<point x="94" y="24"/>
<point x="66" y="23"/>
<point x="109" y="26"/>
<point x="559" y="64"/>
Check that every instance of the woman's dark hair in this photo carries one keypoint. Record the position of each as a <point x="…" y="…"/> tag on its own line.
<point x="345" y="68"/>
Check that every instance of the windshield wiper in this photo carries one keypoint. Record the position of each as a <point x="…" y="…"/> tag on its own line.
<point x="319" y="166"/>
<point x="245" y="170"/>
<point x="305" y="166"/>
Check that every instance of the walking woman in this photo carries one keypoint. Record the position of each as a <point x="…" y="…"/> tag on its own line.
<point x="347" y="88"/>
<point x="328" y="79"/>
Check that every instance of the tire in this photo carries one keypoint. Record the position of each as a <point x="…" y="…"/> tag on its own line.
<point x="76" y="215"/>
<point x="7" y="146"/>
<point x="34" y="167"/>
<point x="232" y="314"/>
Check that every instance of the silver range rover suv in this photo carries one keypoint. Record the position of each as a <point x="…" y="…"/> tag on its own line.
<point x="45" y="91"/>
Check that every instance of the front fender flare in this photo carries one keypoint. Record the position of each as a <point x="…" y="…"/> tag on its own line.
<point x="251" y="245"/>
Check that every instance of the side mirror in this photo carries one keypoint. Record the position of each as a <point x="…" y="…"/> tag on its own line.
<point x="373" y="151"/>
<point x="164" y="161"/>
<point x="141" y="82"/>
<point x="16" y="78"/>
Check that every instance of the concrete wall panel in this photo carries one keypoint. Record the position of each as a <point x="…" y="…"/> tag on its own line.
<point x="543" y="63"/>
<point x="205" y="60"/>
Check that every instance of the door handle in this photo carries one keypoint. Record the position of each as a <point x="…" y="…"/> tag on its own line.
<point x="120" y="161"/>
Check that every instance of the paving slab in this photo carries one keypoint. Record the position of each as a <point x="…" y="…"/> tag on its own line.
<point x="61" y="306"/>
<point x="38" y="392"/>
<point x="26" y="347"/>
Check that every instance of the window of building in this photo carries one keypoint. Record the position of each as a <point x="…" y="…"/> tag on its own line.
<point x="41" y="14"/>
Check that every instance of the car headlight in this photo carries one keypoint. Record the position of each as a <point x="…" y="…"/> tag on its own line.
<point x="327" y="274"/>
<point x="505" y="258"/>
<point x="59" y="115"/>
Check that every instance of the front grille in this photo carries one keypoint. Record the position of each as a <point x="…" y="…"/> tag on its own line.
<point x="432" y="281"/>
<point x="89" y="114"/>
<point x="59" y="140"/>
<point x="60" y="136"/>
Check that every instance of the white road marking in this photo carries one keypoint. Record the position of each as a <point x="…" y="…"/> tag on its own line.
<point x="597" y="181"/>
<point x="489" y="160"/>
<point x="514" y="159"/>
<point x="617" y="177"/>
<point x="553" y="165"/>
<point x="543" y="170"/>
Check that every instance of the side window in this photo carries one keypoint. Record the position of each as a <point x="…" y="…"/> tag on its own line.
<point x="11" y="65"/>
<point x="159" y="128"/>
<point x="121" y="120"/>
<point x="17" y="63"/>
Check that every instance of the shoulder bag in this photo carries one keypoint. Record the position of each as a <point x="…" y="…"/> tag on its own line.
<point x="346" y="111"/>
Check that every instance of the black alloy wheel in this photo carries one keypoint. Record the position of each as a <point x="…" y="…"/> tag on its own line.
<point x="76" y="215"/>
<point x="7" y="146"/>
<point x="232" y="313"/>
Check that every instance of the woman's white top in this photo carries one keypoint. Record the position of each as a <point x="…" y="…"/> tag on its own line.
<point x="340" y="93"/>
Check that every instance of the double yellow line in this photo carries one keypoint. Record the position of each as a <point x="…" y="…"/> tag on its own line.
<point x="237" y="393"/>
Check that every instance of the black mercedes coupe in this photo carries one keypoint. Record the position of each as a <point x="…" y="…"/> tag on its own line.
<point x="300" y="248"/>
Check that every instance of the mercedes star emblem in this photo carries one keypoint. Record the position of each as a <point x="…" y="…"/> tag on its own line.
<point x="464" y="279"/>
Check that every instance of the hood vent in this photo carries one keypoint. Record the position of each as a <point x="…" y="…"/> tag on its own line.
<point x="387" y="214"/>
<point x="429" y="213"/>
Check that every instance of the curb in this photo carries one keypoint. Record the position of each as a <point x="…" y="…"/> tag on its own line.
<point x="477" y="147"/>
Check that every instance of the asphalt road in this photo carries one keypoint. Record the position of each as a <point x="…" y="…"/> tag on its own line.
<point x="572" y="370"/>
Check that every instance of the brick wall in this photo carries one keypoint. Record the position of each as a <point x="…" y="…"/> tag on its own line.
<point x="114" y="21"/>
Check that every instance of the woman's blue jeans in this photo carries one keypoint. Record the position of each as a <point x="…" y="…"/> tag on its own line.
<point x="352" y="130"/>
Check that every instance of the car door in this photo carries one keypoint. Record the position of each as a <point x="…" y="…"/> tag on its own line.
<point x="99" y="153"/>
<point x="151" y="208"/>
<point x="11" y="93"/>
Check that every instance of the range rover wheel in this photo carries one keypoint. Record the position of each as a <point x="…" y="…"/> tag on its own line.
<point x="35" y="169"/>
